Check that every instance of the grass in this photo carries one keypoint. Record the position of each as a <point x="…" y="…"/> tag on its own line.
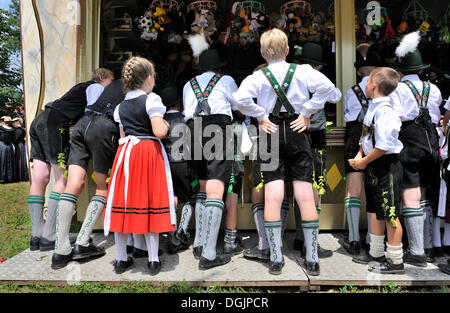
<point x="15" y="224"/>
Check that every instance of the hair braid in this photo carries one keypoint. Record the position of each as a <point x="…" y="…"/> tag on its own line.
<point x="135" y="71"/>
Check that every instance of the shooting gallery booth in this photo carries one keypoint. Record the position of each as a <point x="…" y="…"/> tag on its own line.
<point x="64" y="40"/>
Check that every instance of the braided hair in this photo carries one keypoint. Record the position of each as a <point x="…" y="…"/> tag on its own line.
<point x="135" y="72"/>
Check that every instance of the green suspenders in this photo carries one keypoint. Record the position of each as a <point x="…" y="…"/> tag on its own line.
<point x="422" y="101"/>
<point x="281" y="92"/>
<point x="202" y="97"/>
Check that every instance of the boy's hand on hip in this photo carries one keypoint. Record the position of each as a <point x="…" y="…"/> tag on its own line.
<point x="301" y="124"/>
<point x="267" y="126"/>
<point x="358" y="163"/>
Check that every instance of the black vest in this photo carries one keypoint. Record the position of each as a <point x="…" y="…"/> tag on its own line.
<point x="6" y="135"/>
<point x="73" y="103"/>
<point x="134" y="118"/>
<point x="174" y="119"/>
<point x="113" y="94"/>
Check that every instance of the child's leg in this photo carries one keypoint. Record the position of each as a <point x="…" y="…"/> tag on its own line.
<point x="274" y="195"/>
<point x="258" y="215"/>
<point x="413" y="217"/>
<point x="94" y="211"/>
<point x="446" y="239"/>
<point x="284" y="213"/>
<point x="152" y="242"/>
<point x="394" y="251"/>
<point x="377" y="236"/>
<point x="353" y="204"/>
<point x="304" y="196"/>
<point x="200" y="214"/>
<point x="231" y="223"/>
<point x="437" y="232"/>
<point x="213" y="217"/>
<point x="121" y="240"/>
<point x="427" y="219"/>
<point x="36" y="199"/>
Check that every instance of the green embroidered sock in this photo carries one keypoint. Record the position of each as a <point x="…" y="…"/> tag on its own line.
<point x="65" y="211"/>
<point x="186" y="215"/>
<point x="258" y="215"/>
<point x="199" y="217"/>
<point x="93" y="213"/>
<point x="273" y="233"/>
<point x="213" y="218"/>
<point x="311" y="233"/>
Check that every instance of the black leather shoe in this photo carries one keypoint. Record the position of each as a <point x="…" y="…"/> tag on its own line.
<point x="237" y="249"/>
<point x="198" y="252"/>
<point x="387" y="267"/>
<point x="276" y="267"/>
<point x="154" y="268"/>
<point x="446" y="250"/>
<point x="81" y="252"/>
<point x="311" y="268"/>
<point x="445" y="268"/>
<point x="256" y="253"/>
<point x="353" y="248"/>
<point x="430" y="255"/>
<point x="183" y="236"/>
<point x="46" y="245"/>
<point x="438" y="252"/>
<point x="34" y="243"/>
<point x="365" y="258"/>
<point x="138" y="253"/>
<point x="416" y="260"/>
<point x="121" y="266"/>
<point x="205" y="264"/>
<point x="324" y="253"/>
<point x="60" y="261"/>
<point x="172" y="248"/>
<point x="298" y="244"/>
<point x="130" y="249"/>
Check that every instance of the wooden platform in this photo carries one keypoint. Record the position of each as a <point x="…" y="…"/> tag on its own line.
<point x="182" y="268"/>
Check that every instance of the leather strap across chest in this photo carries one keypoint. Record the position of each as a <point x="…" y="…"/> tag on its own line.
<point x="281" y="90"/>
<point x="202" y="96"/>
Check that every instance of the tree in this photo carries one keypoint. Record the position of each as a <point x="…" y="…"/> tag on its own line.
<point x="11" y="91"/>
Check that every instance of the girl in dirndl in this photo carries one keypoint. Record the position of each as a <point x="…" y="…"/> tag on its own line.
<point x="140" y="194"/>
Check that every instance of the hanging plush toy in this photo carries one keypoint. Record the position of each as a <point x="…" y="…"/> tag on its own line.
<point x="264" y="21"/>
<point x="389" y="32"/>
<point x="147" y="26"/>
<point x="403" y="27"/>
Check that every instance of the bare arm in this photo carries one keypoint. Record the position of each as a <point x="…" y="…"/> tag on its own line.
<point x="160" y="127"/>
<point x="362" y="163"/>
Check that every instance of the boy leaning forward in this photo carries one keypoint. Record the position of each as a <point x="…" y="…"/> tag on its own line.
<point x="284" y="107"/>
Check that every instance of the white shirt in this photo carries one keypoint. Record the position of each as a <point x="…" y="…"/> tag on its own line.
<point x="447" y="105"/>
<point x="404" y="102"/>
<point x="387" y="126"/>
<point x="352" y="106"/>
<point x="93" y="92"/>
<point x="153" y="105"/>
<point x="220" y="100"/>
<point x="306" y="80"/>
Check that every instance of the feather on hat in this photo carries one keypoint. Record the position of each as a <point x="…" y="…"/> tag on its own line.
<point x="198" y="43"/>
<point x="408" y="44"/>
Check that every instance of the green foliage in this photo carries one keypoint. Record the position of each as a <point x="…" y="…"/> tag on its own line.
<point x="11" y="95"/>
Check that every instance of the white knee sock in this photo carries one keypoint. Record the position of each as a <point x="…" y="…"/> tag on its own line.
<point x="376" y="246"/>
<point x="120" y="240"/>
<point x="152" y="241"/>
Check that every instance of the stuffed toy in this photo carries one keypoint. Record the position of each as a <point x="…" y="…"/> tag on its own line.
<point x="254" y="23"/>
<point x="403" y="27"/>
<point x="264" y="21"/>
<point x="161" y="15"/>
<point x="389" y="32"/>
<point x="147" y="26"/>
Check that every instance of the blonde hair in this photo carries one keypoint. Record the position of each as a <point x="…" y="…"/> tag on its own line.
<point x="100" y="74"/>
<point x="135" y="72"/>
<point x="274" y="44"/>
<point x="386" y="78"/>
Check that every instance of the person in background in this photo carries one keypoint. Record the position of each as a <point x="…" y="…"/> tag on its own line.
<point x="7" y="158"/>
<point x="21" y="163"/>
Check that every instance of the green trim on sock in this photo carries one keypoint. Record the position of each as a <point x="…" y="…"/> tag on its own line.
<point x="100" y="199"/>
<point x="272" y="224"/>
<point x="36" y="199"/>
<point x="310" y="224"/>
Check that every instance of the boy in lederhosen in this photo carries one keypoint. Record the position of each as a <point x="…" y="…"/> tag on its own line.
<point x="181" y="174"/>
<point x="49" y="137"/>
<point x="208" y="104"/>
<point x="283" y="110"/>
<point x="415" y="100"/>
<point x="379" y="158"/>
<point x="356" y="104"/>
<point x="311" y="55"/>
<point x="95" y="137"/>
